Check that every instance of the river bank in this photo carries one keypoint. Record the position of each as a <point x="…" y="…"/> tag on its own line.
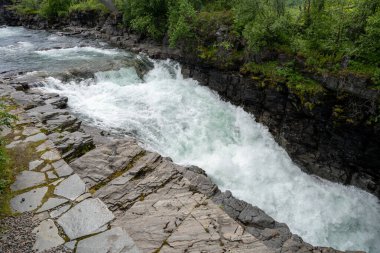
<point x="332" y="133"/>
<point x="153" y="204"/>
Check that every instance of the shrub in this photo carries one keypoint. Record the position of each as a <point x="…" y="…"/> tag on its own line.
<point x="86" y="5"/>
<point x="181" y="21"/>
<point x="52" y="9"/>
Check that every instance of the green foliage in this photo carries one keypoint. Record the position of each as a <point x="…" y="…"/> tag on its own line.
<point x="52" y="9"/>
<point x="85" y="5"/>
<point x="26" y="7"/>
<point x="370" y="41"/>
<point x="181" y="21"/>
<point x="147" y="17"/>
<point x="264" y="25"/>
<point x="5" y="118"/>
<point x="56" y="8"/>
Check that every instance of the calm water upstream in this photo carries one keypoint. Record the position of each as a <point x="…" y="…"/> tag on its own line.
<point x="179" y="118"/>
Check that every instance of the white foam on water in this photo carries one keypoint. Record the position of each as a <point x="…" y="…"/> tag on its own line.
<point x="78" y="52"/>
<point x="19" y="46"/>
<point x="181" y="119"/>
<point x="11" y="31"/>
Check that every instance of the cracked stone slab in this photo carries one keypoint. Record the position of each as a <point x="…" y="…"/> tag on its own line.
<point x="51" y="175"/>
<point x="28" y="201"/>
<point x="27" y="179"/>
<point x="70" y="245"/>
<point x="51" y="203"/>
<point x="115" y="240"/>
<point x="151" y="221"/>
<point x="209" y="229"/>
<point x="51" y="155"/>
<point x="47" y="236"/>
<point x="35" y="164"/>
<point x="62" y="168"/>
<point x="71" y="188"/>
<point x="85" y="218"/>
<point x="46" y="168"/>
<point x="97" y="165"/>
<point x="36" y="138"/>
<point x="56" y="213"/>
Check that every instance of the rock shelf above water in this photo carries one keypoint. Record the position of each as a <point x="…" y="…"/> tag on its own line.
<point x="120" y="197"/>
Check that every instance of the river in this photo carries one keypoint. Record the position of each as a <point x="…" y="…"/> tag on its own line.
<point x="179" y="118"/>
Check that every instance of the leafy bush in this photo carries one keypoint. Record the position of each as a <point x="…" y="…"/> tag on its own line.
<point x="264" y="25"/>
<point x="370" y="41"/>
<point x="54" y="8"/>
<point x="85" y="5"/>
<point x="147" y="17"/>
<point x="181" y="21"/>
<point x="26" y="7"/>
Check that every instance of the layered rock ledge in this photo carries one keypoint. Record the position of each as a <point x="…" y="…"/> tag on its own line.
<point x="115" y="196"/>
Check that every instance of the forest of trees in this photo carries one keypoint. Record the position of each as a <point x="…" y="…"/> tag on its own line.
<point x="330" y="35"/>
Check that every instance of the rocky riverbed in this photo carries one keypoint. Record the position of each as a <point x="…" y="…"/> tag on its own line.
<point x="115" y="196"/>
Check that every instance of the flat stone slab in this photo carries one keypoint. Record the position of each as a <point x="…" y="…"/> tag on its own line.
<point x="28" y="131"/>
<point x="13" y="144"/>
<point x="47" y="236"/>
<point x="34" y="165"/>
<point x="45" y="146"/>
<point x="56" y="213"/>
<point x="62" y="168"/>
<point x="71" y="188"/>
<point x="36" y="138"/>
<point x="51" y="155"/>
<point x="51" y="203"/>
<point x="28" y="201"/>
<point x="115" y="240"/>
<point x="28" y="179"/>
<point x="85" y="218"/>
<point x="51" y="175"/>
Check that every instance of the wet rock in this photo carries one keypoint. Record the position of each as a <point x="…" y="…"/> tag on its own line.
<point x="199" y="181"/>
<point x="85" y="218"/>
<point x="26" y="100"/>
<point x="150" y="173"/>
<point x="112" y="241"/>
<point x="71" y="188"/>
<point x="47" y="236"/>
<point x="28" y="201"/>
<point x="59" y="102"/>
<point x="55" y="119"/>
<point x="98" y="164"/>
<point x="28" y="179"/>
<point x="256" y="221"/>
<point x="72" y="145"/>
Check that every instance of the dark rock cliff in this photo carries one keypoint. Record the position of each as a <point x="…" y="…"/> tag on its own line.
<point x="337" y="138"/>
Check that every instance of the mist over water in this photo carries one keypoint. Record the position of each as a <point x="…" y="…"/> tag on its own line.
<point x="179" y="118"/>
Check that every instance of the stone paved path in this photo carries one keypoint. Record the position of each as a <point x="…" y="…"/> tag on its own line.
<point x="118" y="197"/>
